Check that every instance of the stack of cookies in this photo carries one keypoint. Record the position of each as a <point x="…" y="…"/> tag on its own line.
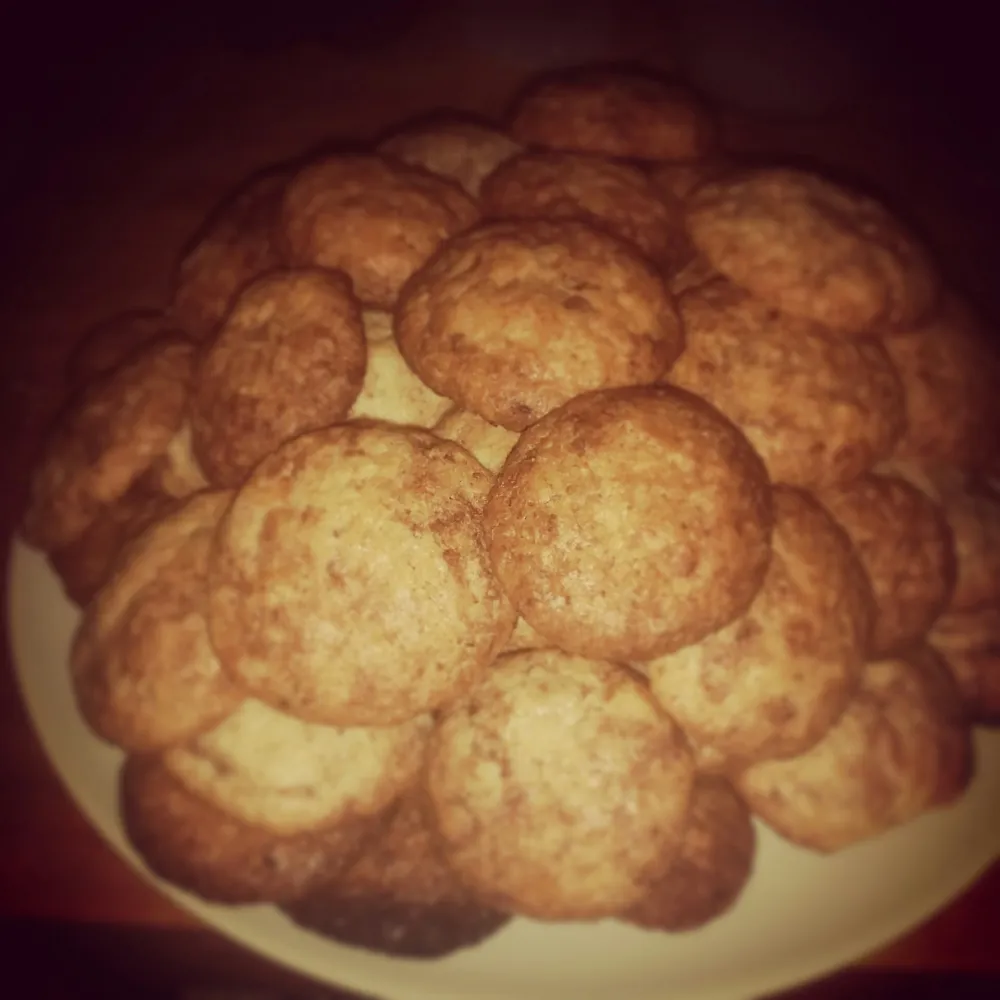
<point x="497" y="520"/>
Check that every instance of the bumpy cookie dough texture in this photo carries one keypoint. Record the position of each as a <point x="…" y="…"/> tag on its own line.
<point x="393" y="392"/>
<point x="714" y="865"/>
<point x="559" y="789"/>
<point x="177" y="472"/>
<point x="378" y="220"/>
<point x="290" y="357"/>
<point x="281" y="774"/>
<point x="187" y="840"/>
<point x="820" y="409"/>
<point x="772" y="682"/>
<point x="951" y="376"/>
<point x="399" y="897"/>
<point x="813" y="249"/>
<point x="237" y="243"/>
<point x="617" y="114"/>
<point x="969" y="644"/>
<point x="461" y="150"/>
<point x="368" y="609"/>
<point x="110" y="435"/>
<point x="630" y="523"/>
<point x="489" y="443"/>
<point x="899" y="750"/>
<point x="907" y="549"/>
<point x="613" y="196"/>
<point x="514" y="318"/>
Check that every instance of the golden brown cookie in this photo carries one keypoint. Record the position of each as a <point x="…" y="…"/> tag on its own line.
<point x="290" y="357"/>
<point x="188" y="841"/>
<point x="457" y="148"/>
<point x="106" y="346"/>
<point x="514" y="318"/>
<point x="392" y="392"/>
<point x="820" y="409"/>
<point x="907" y="549"/>
<point x="613" y="196"/>
<point x="489" y="443"/>
<point x="351" y="583"/>
<point x="236" y="244"/>
<point x="105" y="440"/>
<point x="377" y="324"/>
<point x="951" y="376"/>
<point x="714" y="865"/>
<point x="144" y="672"/>
<point x="276" y="772"/>
<point x="399" y="897"/>
<point x="813" y="249"/>
<point x="569" y="819"/>
<point x="896" y="752"/>
<point x="969" y="644"/>
<point x="377" y="219"/>
<point x="615" y="113"/>
<point x="773" y="681"/>
<point x="631" y="522"/>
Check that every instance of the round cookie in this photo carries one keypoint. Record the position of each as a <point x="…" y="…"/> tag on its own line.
<point x="819" y="409"/>
<point x="144" y="672"/>
<point x="290" y="357"/>
<point x="188" y="841"/>
<point x="236" y="244"/>
<point x="399" y="897"/>
<point x="515" y="318"/>
<point x="107" y="438"/>
<point x="813" y="249"/>
<point x="969" y="644"/>
<point x="714" y="865"/>
<point x="177" y="472"/>
<point x="898" y="750"/>
<point x="950" y="375"/>
<point x="613" y="196"/>
<point x="908" y="552"/>
<point x="377" y="219"/>
<point x="630" y="523"/>
<point x="459" y="149"/>
<point x="104" y="347"/>
<point x="391" y="391"/>
<point x="568" y="820"/>
<point x="773" y="681"/>
<point x="377" y="324"/>
<point x="616" y="114"/>
<point x="488" y="443"/>
<point x="373" y="606"/>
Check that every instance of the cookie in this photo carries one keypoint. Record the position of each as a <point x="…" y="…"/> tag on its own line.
<point x="351" y="582"/>
<point x="144" y="672"/>
<point x="177" y="473"/>
<point x="377" y="324"/>
<point x="107" y="438"/>
<point x="290" y="357"/>
<point x="621" y="114"/>
<point x="820" y="409"/>
<point x="714" y="865"/>
<point x="968" y="642"/>
<point x="459" y="149"/>
<point x="569" y="820"/>
<point x="188" y="841"/>
<point x="513" y="319"/>
<point x="950" y="375"/>
<point x="106" y="346"/>
<point x="613" y="196"/>
<point x="377" y="219"/>
<point x="236" y="244"/>
<point x="278" y="773"/>
<point x="399" y="897"/>
<point x="773" y="681"/>
<point x="489" y="443"/>
<point x="813" y="249"/>
<point x="896" y="752"/>
<point x="908" y="552"/>
<point x="392" y="392"/>
<point x="630" y="523"/>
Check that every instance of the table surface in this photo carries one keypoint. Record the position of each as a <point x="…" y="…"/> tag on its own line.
<point x="100" y="218"/>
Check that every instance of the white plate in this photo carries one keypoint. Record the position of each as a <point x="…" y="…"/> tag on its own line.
<point x="801" y="916"/>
